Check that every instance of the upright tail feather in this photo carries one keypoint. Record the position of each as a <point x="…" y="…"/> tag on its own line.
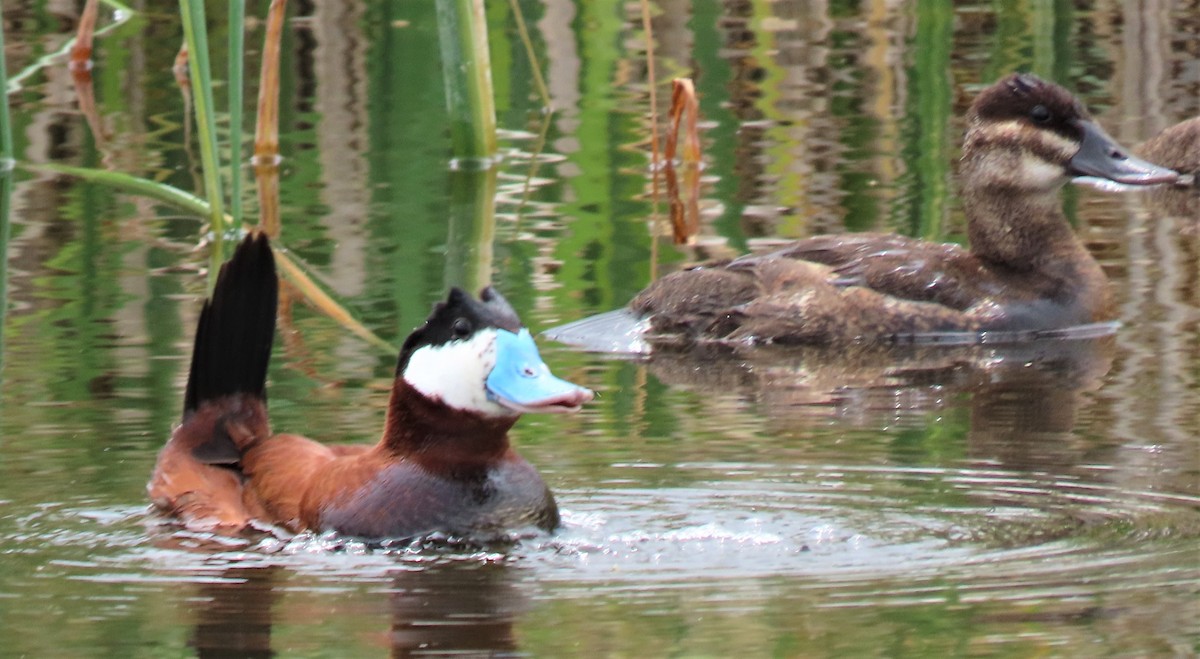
<point x="198" y="474"/>
<point x="236" y="328"/>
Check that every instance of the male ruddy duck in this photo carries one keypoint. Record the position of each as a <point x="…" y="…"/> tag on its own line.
<point x="1025" y="269"/>
<point x="444" y="463"/>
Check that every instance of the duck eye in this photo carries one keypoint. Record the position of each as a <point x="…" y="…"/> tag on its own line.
<point x="461" y="328"/>
<point x="1040" y="114"/>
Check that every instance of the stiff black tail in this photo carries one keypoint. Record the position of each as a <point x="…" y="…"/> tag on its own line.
<point x="236" y="328"/>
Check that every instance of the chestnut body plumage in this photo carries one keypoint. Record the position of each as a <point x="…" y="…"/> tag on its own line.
<point x="443" y="464"/>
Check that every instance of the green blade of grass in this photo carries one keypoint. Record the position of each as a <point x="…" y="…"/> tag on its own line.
<point x="6" y="143"/>
<point x="185" y="201"/>
<point x="6" y="184"/>
<point x="167" y="194"/>
<point x="237" y="34"/>
<point x="6" y="175"/>
<point x="196" y="34"/>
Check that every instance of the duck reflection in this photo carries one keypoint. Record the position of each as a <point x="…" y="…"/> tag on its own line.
<point x="1178" y="204"/>
<point x="456" y="607"/>
<point x="1024" y="411"/>
<point x="234" y="617"/>
<point x="1023" y="397"/>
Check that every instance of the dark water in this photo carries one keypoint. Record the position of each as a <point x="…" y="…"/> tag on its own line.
<point x="1013" y="501"/>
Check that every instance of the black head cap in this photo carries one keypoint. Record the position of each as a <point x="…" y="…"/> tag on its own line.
<point x="459" y="317"/>
<point x="1027" y="98"/>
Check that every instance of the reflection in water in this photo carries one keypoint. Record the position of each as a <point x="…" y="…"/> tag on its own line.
<point x="234" y="613"/>
<point x="1023" y="411"/>
<point x="878" y="387"/>
<point x="1177" y="207"/>
<point x="454" y="608"/>
<point x="436" y="607"/>
<point x="960" y="501"/>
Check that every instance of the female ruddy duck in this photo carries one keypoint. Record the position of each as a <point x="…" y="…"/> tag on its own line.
<point x="1177" y="147"/>
<point x="1025" y="270"/>
<point x="444" y="463"/>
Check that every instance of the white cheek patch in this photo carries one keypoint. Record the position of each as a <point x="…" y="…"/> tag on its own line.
<point x="456" y="373"/>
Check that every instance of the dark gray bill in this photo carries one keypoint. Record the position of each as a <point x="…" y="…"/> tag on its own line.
<point x="1102" y="157"/>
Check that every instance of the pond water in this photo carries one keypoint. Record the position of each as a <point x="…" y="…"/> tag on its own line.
<point x="1038" y="499"/>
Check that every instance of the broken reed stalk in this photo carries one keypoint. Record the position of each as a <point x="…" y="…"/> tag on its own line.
<point x="685" y="110"/>
<point x="81" y="50"/>
<point x="80" y="66"/>
<point x="50" y="59"/>
<point x="196" y="34"/>
<point x="684" y="105"/>
<point x="467" y="75"/>
<point x="237" y="54"/>
<point x="266" y="130"/>
<point x="180" y="69"/>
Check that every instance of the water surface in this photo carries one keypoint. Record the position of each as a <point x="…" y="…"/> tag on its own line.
<point x="967" y="500"/>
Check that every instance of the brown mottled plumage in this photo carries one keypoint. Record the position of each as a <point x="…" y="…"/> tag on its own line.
<point x="1025" y="269"/>
<point x="1177" y="147"/>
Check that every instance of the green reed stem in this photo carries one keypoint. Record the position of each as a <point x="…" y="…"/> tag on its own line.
<point x="237" y="51"/>
<point x="196" y="34"/>
<point x="6" y="184"/>
<point x="472" y="230"/>
<point x="467" y="72"/>
<point x="168" y="194"/>
<point x="6" y="175"/>
<point x="6" y="143"/>
<point x="934" y="98"/>
<point x="293" y="269"/>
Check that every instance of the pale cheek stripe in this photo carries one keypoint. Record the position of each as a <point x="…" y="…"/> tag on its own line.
<point x="1036" y="172"/>
<point x="1017" y="133"/>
